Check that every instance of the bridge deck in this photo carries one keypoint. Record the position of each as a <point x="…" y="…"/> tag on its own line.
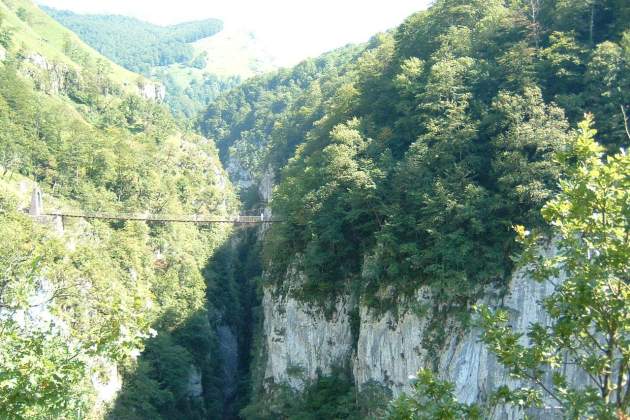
<point x="195" y="218"/>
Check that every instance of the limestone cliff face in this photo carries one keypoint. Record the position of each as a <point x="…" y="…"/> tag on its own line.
<point x="55" y="78"/>
<point x="152" y="91"/>
<point x="49" y="77"/>
<point x="301" y="342"/>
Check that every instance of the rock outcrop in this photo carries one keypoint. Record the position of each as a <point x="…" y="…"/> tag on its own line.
<point x="302" y="343"/>
<point x="152" y="91"/>
<point x="194" y="388"/>
<point x="55" y="78"/>
<point x="49" y="77"/>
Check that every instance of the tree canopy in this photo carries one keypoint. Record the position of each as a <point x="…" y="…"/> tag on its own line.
<point x="409" y="163"/>
<point x="589" y="324"/>
<point x="73" y="306"/>
<point x="135" y="44"/>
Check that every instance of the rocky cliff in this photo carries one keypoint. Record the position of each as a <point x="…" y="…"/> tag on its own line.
<point x="301" y="342"/>
<point x="56" y="78"/>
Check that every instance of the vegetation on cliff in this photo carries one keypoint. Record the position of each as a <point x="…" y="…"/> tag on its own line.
<point x="401" y="163"/>
<point x="194" y="64"/>
<point x="589" y="327"/>
<point x="412" y="164"/>
<point x="73" y="306"/>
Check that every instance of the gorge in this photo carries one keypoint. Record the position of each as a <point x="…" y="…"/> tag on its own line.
<point x="399" y="169"/>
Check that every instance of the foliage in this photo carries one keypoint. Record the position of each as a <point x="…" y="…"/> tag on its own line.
<point x="5" y="33"/>
<point x="401" y="163"/>
<point x="187" y="96"/>
<point x="431" y="399"/>
<point x="72" y="306"/>
<point x="590" y="322"/>
<point x="408" y="164"/>
<point x="165" y="54"/>
<point x="260" y="123"/>
<point x="328" y="397"/>
<point x="135" y="44"/>
<point x="159" y="385"/>
<point x="52" y="327"/>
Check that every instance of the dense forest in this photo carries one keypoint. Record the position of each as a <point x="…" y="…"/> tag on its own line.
<point x="258" y="125"/>
<point x="413" y="160"/>
<point x="164" y="53"/>
<point x="187" y="96"/>
<point x="135" y="44"/>
<point x="414" y="157"/>
<point x="111" y="289"/>
<point x="408" y="161"/>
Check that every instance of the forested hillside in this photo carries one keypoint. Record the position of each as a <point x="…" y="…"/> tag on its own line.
<point x="409" y="163"/>
<point x="258" y="125"/>
<point x="414" y="159"/>
<point x="135" y="44"/>
<point x="195" y="61"/>
<point x="155" y="51"/>
<point x="80" y="303"/>
<point x="398" y="171"/>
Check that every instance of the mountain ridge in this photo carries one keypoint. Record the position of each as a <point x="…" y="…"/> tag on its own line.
<point x="136" y="44"/>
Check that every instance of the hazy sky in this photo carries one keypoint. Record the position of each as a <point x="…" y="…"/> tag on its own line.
<point x="291" y="28"/>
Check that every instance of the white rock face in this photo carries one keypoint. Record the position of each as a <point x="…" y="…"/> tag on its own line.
<point x="195" y="386"/>
<point x="108" y="383"/>
<point x="3" y="53"/>
<point x="389" y="349"/>
<point x="153" y="91"/>
<point x="302" y="342"/>
<point x="38" y="60"/>
<point x="52" y="77"/>
<point x="265" y="187"/>
<point x="241" y="177"/>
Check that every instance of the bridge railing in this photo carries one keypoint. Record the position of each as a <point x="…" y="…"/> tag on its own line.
<point x="37" y="210"/>
<point x="195" y="218"/>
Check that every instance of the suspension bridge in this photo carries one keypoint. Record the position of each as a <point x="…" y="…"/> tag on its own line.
<point x="37" y="210"/>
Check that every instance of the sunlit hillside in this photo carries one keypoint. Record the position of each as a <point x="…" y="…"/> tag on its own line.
<point x="236" y="52"/>
<point x="37" y="31"/>
<point x="429" y="221"/>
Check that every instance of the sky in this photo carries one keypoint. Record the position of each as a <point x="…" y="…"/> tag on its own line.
<point x="292" y="29"/>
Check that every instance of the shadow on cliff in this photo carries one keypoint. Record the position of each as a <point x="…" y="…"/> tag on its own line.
<point x="201" y="369"/>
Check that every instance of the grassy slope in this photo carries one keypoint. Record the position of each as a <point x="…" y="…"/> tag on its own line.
<point x="231" y="53"/>
<point x="43" y="34"/>
<point x="236" y="52"/>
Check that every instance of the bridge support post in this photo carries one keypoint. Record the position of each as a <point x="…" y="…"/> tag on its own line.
<point x="37" y="203"/>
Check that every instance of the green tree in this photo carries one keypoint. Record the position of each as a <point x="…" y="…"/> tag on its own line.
<point x="23" y="14"/>
<point x="608" y="90"/>
<point x="431" y="399"/>
<point x="5" y="33"/>
<point x="332" y="209"/>
<point x="589" y="308"/>
<point x="135" y="44"/>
